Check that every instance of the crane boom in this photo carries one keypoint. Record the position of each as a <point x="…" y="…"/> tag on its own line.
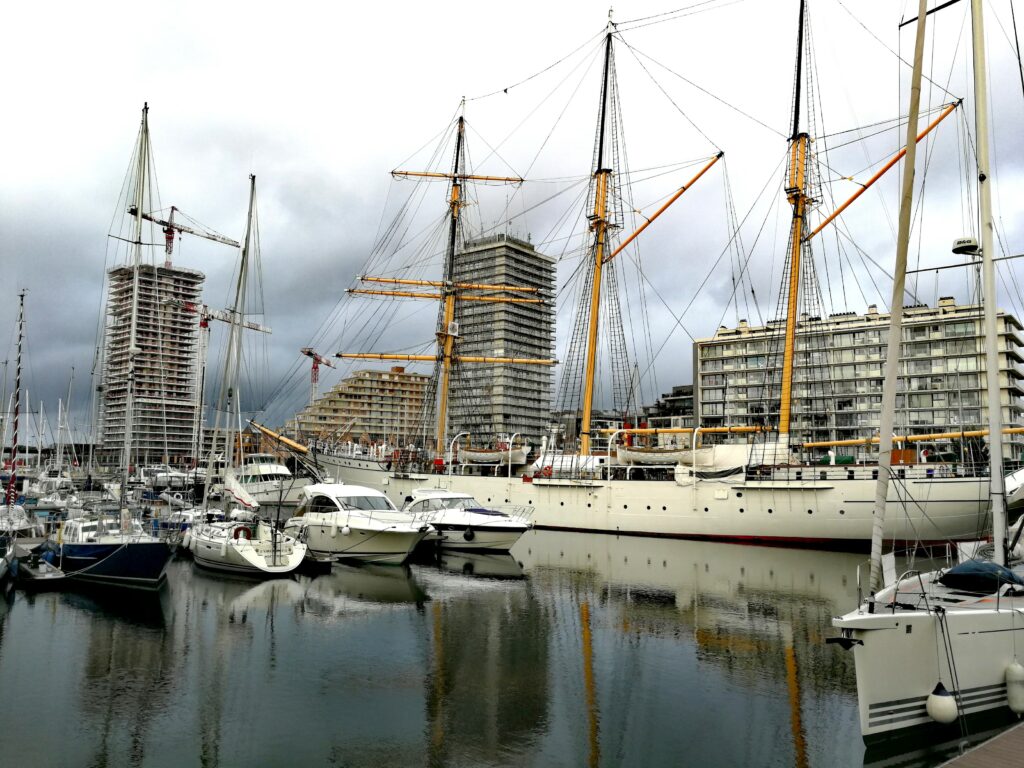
<point x="224" y="315"/>
<point x="170" y="226"/>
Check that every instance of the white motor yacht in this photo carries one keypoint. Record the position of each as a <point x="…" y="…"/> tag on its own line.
<point x="464" y="523"/>
<point x="265" y="477"/>
<point x="352" y="522"/>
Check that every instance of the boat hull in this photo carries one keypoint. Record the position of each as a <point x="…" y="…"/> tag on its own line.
<point x="244" y="556"/>
<point x="833" y="512"/>
<point x="371" y="545"/>
<point x="900" y="658"/>
<point x="136" y="565"/>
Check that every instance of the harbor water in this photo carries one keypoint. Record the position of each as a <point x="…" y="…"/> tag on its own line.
<point x="576" y="650"/>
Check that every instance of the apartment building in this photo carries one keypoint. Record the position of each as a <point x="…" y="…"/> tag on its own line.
<point x="838" y="375"/>
<point x="370" y="405"/>
<point x="491" y="399"/>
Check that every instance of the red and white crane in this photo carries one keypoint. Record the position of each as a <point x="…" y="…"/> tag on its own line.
<point x="314" y="374"/>
<point x="170" y="227"/>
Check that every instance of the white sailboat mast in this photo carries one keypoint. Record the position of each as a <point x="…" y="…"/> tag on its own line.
<point x="228" y="393"/>
<point x="887" y="418"/>
<point x="988" y="278"/>
<point x="141" y="181"/>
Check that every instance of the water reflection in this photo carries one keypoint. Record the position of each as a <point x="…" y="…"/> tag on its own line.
<point x="576" y="650"/>
<point x="665" y="633"/>
<point x="352" y="589"/>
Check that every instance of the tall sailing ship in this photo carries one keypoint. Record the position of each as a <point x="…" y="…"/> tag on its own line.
<point x="759" y="490"/>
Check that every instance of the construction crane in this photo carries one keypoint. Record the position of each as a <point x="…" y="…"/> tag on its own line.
<point x="205" y="316"/>
<point x="314" y="375"/>
<point x="170" y="226"/>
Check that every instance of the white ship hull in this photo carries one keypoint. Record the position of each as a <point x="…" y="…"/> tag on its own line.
<point x="801" y="509"/>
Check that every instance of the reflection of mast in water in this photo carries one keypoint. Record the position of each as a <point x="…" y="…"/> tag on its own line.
<point x="593" y="720"/>
<point x="129" y="668"/>
<point x="754" y="614"/>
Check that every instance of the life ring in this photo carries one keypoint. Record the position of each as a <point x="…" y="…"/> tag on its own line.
<point x="240" y="530"/>
<point x="546" y="471"/>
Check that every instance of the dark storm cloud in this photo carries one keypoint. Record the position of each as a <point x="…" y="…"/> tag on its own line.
<point x="321" y="124"/>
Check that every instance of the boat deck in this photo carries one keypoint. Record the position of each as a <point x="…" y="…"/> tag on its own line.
<point x="1002" y="751"/>
<point x="24" y="546"/>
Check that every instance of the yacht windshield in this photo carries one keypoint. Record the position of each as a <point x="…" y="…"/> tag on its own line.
<point x="461" y="503"/>
<point x="367" y="503"/>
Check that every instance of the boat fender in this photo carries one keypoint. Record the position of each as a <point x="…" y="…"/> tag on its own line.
<point x="468" y="534"/>
<point x="334" y="530"/>
<point x="546" y="472"/>
<point x="224" y="548"/>
<point x="941" y="705"/>
<point x="346" y="531"/>
<point x="242" y="530"/>
<point x="194" y="545"/>
<point x="1015" y="687"/>
<point x="187" y="540"/>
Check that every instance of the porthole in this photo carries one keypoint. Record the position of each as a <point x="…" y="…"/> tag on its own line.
<point x="648" y="506"/>
<point x="810" y="511"/>
<point x="739" y="494"/>
<point x="769" y="511"/>
<point x="625" y="506"/>
<point x="842" y="511"/>
<point x="588" y="505"/>
<point x="705" y="509"/>
<point x="561" y="503"/>
<point x="741" y="510"/>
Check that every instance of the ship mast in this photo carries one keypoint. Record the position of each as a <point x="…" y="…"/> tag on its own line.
<point x="991" y="310"/>
<point x="12" y="483"/>
<point x="228" y="394"/>
<point x="447" y="332"/>
<point x="599" y="225"/>
<point x="796" y="193"/>
<point x="450" y="292"/>
<point x="141" y="171"/>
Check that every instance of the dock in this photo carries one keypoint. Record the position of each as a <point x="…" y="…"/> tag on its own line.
<point x="1002" y="751"/>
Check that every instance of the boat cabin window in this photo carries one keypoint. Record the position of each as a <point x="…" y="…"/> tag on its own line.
<point x="322" y="504"/>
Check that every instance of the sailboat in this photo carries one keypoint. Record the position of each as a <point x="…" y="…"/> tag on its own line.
<point x="243" y="543"/>
<point x="932" y="649"/>
<point x="751" y="492"/>
<point x="115" y="550"/>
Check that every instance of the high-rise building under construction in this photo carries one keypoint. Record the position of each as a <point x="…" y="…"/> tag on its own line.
<point x="164" y="364"/>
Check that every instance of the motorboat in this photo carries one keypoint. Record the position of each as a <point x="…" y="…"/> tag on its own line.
<point x="339" y="521"/>
<point x="249" y="547"/>
<point x="464" y="523"/>
<point x="266" y="478"/>
<point x="35" y="571"/>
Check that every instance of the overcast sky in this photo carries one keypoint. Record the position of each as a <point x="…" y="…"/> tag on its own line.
<point x="321" y="101"/>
